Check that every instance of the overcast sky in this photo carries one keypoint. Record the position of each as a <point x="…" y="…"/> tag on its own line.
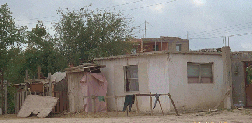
<point x="205" y="21"/>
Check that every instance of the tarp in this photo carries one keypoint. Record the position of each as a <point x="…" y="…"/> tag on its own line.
<point x="94" y="84"/>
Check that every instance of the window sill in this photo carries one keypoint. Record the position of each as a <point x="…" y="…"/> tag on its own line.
<point x="131" y="92"/>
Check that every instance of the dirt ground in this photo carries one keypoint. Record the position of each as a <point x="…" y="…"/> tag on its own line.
<point x="223" y="116"/>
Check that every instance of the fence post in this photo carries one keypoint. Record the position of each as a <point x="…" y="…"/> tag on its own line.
<point x="137" y="105"/>
<point x="50" y="84"/>
<point x="151" y="104"/>
<point x="116" y="105"/>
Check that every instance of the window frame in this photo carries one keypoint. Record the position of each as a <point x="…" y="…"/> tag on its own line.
<point x="180" y="47"/>
<point x="200" y="76"/>
<point x="126" y="79"/>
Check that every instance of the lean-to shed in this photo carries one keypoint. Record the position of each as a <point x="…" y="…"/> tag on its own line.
<point x="83" y="81"/>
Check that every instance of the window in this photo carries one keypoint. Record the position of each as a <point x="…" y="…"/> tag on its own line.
<point x="156" y="48"/>
<point x="199" y="73"/>
<point x="131" y="78"/>
<point x="178" y="47"/>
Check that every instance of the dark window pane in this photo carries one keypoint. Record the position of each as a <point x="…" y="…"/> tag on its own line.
<point x="133" y="85"/>
<point x="192" y="70"/>
<point x="206" y="70"/>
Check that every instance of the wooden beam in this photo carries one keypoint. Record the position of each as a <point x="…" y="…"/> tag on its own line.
<point x="116" y="105"/>
<point x="151" y="104"/>
<point x="137" y="105"/>
<point x="169" y="95"/>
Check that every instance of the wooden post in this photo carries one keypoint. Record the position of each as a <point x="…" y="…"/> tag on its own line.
<point x="137" y="105"/>
<point x="15" y="102"/>
<point x="151" y="104"/>
<point x="127" y="110"/>
<point x="173" y="104"/>
<point x="26" y="89"/>
<point x="116" y="105"/>
<point x="23" y="98"/>
<point x="93" y="103"/>
<point x="50" y="84"/>
<point x="43" y="90"/>
<point x="106" y="102"/>
<point x="5" y="96"/>
<point x="161" y="107"/>
<point x="39" y="69"/>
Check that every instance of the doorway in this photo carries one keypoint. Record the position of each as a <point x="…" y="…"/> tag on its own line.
<point x="248" y="83"/>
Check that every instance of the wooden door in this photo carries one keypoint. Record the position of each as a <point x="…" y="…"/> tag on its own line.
<point x="248" y="83"/>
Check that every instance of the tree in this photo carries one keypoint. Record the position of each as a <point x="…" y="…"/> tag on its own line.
<point x="85" y="34"/>
<point x="41" y="51"/>
<point x="9" y="36"/>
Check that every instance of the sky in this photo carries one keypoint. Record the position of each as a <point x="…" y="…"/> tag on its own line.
<point x="203" y="22"/>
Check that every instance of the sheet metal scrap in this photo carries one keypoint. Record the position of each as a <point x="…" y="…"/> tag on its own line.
<point x="40" y="105"/>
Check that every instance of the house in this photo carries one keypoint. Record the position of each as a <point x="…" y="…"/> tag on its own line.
<point x="161" y="44"/>
<point x="83" y="81"/>
<point x="196" y="80"/>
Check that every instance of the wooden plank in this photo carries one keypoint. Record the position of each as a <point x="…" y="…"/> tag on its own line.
<point x="137" y="105"/>
<point x="23" y="94"/>
<point x="19" y="101"/>
<point x="50" y="84"/>
<point x="151" y="105"/>
<point x="225" y="96"/>
<point x="169" y="95"/>
<point x="161" y="107"/>
<point x="116" y="105"/>
<point x="61" y="102"/>
<point x="58" y="106"/>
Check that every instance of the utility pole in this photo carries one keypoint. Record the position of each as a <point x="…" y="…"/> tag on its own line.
<point x="145" y="28"/>
<point x="187" y="35"/>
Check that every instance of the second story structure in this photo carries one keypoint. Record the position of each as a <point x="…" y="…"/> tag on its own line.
<point x="161" y="44"/>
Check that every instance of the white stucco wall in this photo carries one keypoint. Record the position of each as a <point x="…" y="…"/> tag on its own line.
<point x="152" y="76"/>
<point x="191" y="96"/>
<point x="165" y="73"/>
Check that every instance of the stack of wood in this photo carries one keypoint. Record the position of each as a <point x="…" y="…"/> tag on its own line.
<point x="85" y="67"/>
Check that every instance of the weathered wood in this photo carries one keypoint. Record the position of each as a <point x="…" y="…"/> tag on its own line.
<point x="137" y="104"/>
<point x="149" y="94"/>
<point x="151" y="104"/>
<point x="225" y="96"/>
<point x="93" y="104"/>
<point x="161" y="107"/>
<point x="116" y="105"/>
<point x="50" y="84"/>
<point x="169" y="95"/>
<point x="23" y="98"/>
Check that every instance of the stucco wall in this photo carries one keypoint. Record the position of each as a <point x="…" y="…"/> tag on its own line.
<point x="152" y="76"/>
<point x="163" y="74"/>
<point x="193" y="96"/>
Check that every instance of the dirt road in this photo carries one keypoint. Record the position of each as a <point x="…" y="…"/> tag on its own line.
<point x="233" y="116"/>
